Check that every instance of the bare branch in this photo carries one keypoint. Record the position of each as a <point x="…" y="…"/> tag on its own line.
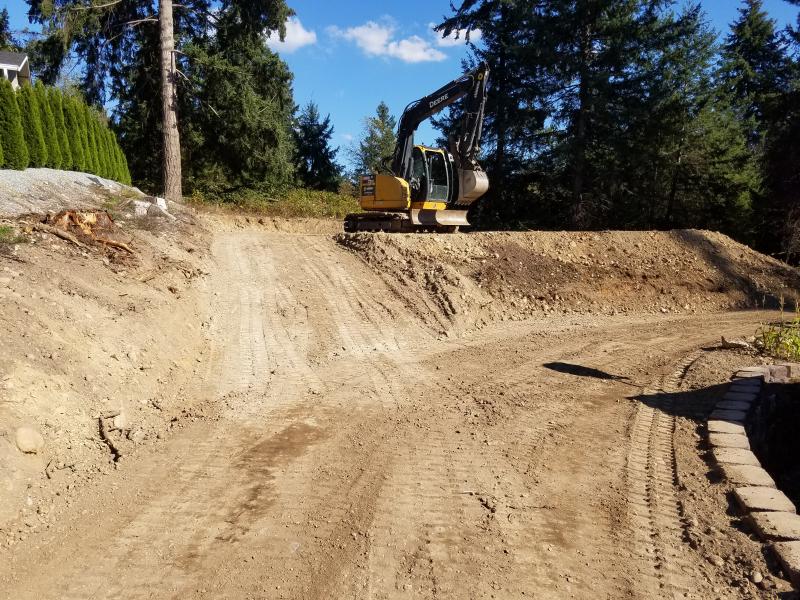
<point x="106" y="5"/>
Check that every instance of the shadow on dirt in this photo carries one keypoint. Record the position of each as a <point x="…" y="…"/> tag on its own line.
<point x="582" y="371"/>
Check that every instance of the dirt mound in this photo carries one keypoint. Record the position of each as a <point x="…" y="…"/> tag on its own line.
<point x="465" y="281"/>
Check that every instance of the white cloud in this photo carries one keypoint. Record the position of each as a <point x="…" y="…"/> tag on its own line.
<point x="347" y="137"/>
<point x="297" y="36"/>
<point x="379" y="40"/>
<point x="456" y="38"/>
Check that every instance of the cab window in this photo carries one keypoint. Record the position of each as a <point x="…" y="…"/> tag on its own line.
<point x="419" y="179"/>
<point x="438" y="185"/>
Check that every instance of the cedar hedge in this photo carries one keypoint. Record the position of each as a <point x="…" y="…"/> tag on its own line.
<point x="43" y="127"/>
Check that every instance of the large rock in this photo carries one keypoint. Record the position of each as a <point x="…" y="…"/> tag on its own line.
<point x="28" y="440"/>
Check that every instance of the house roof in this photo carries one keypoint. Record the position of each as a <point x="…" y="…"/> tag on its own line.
<point x="13" y="58"/>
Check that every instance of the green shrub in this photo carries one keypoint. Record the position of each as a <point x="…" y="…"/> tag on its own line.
<point x="295" y="203"/>
<point x="782" y="339"/>
<point x="12" y="136"/>
<point x="32" y="126"/>
<point x="56" y="102"/>
<point x="73" y="123"/>
<point x="48" y="126"/>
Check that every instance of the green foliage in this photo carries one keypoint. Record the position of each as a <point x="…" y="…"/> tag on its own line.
<point x="73" y="122"/>
<point x="56" y="102"/>
<point x="315" y="159"/>
<point x="294" y="203"/>
<point x="781" y="340"/>
<point x="377" y="141"/>
<point x="32" y="126"/>
<point x="12" y="136"/>
<point x="9" y="235"/>
<point x="92" y="159"/>
<point x="235" y="103"/>
<point x="246" y="140"/>
<point x="53" y="150"/>
<point x="606" y="115"/>
<point x="7" y="41"/>
<point x="756" y="67"/>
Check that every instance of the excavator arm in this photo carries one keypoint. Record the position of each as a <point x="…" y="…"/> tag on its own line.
<point x="466" y="145"/>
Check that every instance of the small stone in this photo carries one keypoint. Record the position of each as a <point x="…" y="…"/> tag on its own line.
<point x="28" y="440"/>
<point x="138" y="436"/>
<point x="756" y="576"/>
<point x="120" y="421"/>
<point x="715" y="560"/>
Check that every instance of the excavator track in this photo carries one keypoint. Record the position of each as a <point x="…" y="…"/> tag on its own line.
<point x="414" y="221"/>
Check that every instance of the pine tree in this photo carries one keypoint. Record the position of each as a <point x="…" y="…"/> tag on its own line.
<point x="57" y="108"/>
<point x="755" y="69"/>
<point x="315" y="159"/>
<point x="12" y="136"/>
<point x="7" y="41"/>
<point x="377" y="141"/>
<point x="73" y="123"/>
<point x="32" y="126"/>
<point x="48" y="126"/>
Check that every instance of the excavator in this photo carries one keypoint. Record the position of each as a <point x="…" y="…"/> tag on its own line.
<point x="429" y="189"/>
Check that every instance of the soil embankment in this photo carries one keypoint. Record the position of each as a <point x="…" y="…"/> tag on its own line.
<point x="467" y="281"/>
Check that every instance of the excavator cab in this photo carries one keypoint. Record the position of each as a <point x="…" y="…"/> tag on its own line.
<point x="430" y="178"/>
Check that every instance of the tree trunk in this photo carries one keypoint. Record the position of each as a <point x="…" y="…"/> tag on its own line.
<point x="169" y="99"/>
<point x="579" y="166"/>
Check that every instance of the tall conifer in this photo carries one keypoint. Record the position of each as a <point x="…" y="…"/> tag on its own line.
<point x="48" y="126"/>
<point x="32" y="126"/>
<point x="12" y="136"/>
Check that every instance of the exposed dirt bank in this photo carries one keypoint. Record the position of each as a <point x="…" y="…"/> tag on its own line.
<point x="469" y="280"/>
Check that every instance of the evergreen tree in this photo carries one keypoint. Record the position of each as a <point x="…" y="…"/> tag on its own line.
<point x="56" y="101"/>
<point x="32" y="126"/>
<point x="7" y="41"/>
<point x="755" y="68"/>
<point x="12" y="136"/>
<point x="48" y="126"/>
<point x="594" y="109"/>
<point x="377" y="141"/>
<point x="778" y="214"/>
<point x="92" y="159"/>
<point x="246" y="130"/>
<point x="73" y="123"/>
<point x="315" y="159"/>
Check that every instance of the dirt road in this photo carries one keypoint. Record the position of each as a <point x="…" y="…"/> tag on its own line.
<point x="355" y="454"/>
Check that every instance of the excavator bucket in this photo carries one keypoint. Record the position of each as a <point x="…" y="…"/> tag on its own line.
<point x="439" y="218"/>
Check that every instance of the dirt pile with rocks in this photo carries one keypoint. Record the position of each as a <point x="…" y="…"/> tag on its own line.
<point x="466" y="281"/>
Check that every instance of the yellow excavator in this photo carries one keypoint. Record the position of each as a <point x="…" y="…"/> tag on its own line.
<point x="429" y="189"/>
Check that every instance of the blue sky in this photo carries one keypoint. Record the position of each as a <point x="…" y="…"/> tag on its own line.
<point x="348" y="55"/>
